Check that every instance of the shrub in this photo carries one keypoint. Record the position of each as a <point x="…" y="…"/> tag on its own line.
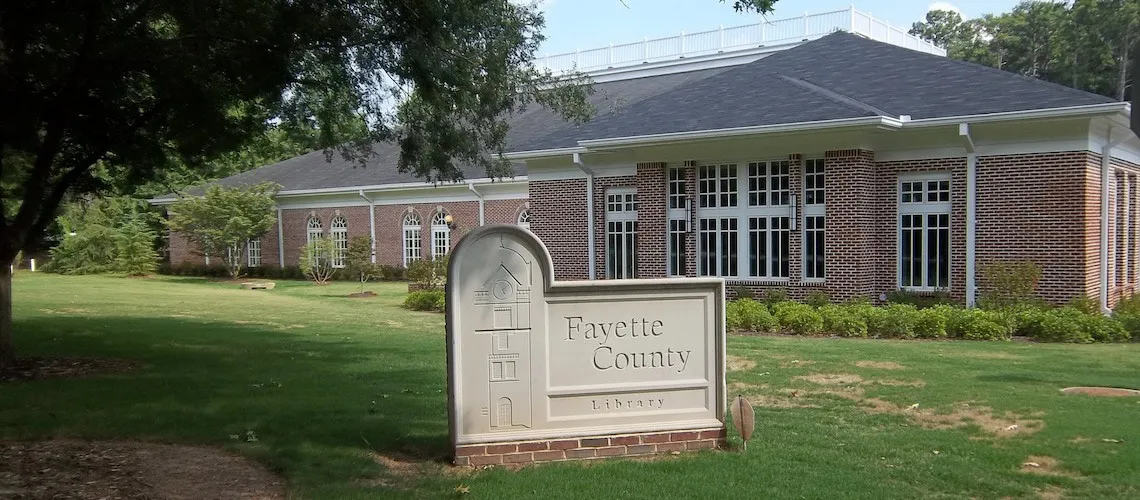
<point x="797" y="318"/>
<point x="1008" y="284"/>
<point x="1130" y="322"/>
<point x="743" y="292"/>
<point x="1027" y="321"/>
<point x="749" y="315"/>
<point x="1062" y="325"/>
<point x="391" y="273"/>
<point x="1128" y="305"/>
<point x="976" y="324"/>
<point x="930" y="323"/>
<point x="428" y="274"/>
<point x="426" y="300"/>
<point x="1085" y="304"/>
<point x="842" y="321"/>
<point x="774" y="296"/>
<point x="1103" y="328"/>
<point x="316" y="260"/>
<point x="817" y="298"/>
<point x="895" y="321"/>
<point x="920" y="300"/>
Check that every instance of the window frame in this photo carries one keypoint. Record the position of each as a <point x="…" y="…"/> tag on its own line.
<point x="924" y="209"/>
<point x="412" y="226"/>
<point x="815" y="209"/>
<point x="338" y="231"/>
<point x="523" y="220"/>
<point x="440" y="235"/>
<point x="250" y="250"/>
<point x="621" y="214"/>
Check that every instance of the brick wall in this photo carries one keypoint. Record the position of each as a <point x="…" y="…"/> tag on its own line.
<point x="558" y="218"/>
<point x="182" y="251"/>
<point x="849" y="235"/>
<point x="652" y="229"/>
<point x="295" y="223"/>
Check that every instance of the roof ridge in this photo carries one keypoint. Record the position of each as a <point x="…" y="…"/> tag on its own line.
<point x="832" y="95"/>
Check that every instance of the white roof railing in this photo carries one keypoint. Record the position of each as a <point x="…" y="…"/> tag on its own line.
<point x="769" y="33"/>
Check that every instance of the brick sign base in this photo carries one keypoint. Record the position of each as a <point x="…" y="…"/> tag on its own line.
<point x="619" y="445"/>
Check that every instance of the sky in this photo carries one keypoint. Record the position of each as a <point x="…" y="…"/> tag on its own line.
<point x="585" y="24"/>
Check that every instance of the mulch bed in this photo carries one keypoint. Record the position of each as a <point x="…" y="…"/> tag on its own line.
<point x="37" y="368"/>
<point x="1102" y="391"/>
<point x="67" y="469"/>
<point x="365" y="295"/>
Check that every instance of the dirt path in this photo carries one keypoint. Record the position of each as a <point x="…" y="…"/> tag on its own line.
<point x="67" y="469"/>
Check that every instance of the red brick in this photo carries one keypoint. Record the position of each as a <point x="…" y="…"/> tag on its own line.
<point x="716" y="434"/>
<point x="595" y="442"/>
<point x="564" y="444"/>
<point x="540" y="456"/>
<point x="654" y="438"/>
<point x="625" y="440"/>
<point x="535" y="446"/>
<point x="516" y="458"/>
<point x="502" y="448"/>
<point x="683" y="436"/>
<point x="486" y="460"/>
<point x="466" y="451"/>
<point x="641" y="449"/>
<point x="611" y="451"/>
<point x="701" y="445"/>
<point x="667" y="447"/>
<point x="581" y="453"/>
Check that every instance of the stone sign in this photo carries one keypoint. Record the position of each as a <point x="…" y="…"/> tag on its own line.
<point x="547" y="370"/>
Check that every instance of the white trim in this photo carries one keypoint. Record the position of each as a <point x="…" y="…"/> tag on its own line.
<point x="923" y="208"/>
<point x="542" y="153"/>
<point x="1032" y="114"/>
<point x="280" y="240"/>
<point x="879" y="121"/>
<point x="371" y="225"/>
<point x="314" y="205"/>
<point x="971" y="212"/>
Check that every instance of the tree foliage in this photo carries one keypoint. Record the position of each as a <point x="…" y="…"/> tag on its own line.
<point x="222" y="222"/>
<point x="1086" y="44"/>
<point x="358" y="261"/>
<point x="111" y="235"/>
<point x="316" y="260"/>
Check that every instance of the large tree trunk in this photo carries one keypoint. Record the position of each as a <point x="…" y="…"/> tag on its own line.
<point x="7" y="353"/>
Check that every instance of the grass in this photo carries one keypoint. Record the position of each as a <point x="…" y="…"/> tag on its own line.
<point x="323" y="382"/>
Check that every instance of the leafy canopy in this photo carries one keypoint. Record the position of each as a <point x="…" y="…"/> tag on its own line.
<point x="223" y="221"/>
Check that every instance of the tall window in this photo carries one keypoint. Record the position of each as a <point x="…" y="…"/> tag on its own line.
<point x="621" y="233"/>
<point x="524" y="218"/>
<point x="253" y="252"/>
<point x="814" y="212"/>
<point x="678" y="222"/>
<point x="744" y="220"/>
<point x="440" y="235"/>
<point x="924" y="232"/>
<point x="339" y="230"/>
<point x="412" y="245"/>
<point x="313" y="233"/>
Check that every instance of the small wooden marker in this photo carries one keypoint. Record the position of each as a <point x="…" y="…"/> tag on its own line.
<point x="743" y="418"/>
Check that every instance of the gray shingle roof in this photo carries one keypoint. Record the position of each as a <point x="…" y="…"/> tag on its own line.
<point x="838" y="76"/>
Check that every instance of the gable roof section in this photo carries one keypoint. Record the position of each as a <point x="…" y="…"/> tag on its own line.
<point x="838" y="76"/>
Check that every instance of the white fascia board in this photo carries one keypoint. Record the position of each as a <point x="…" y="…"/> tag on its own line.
<point x="1033" y="114"/>
<point x="874" y="121"/>
<point x="542" y="153"/>
<point x="379" y="188"/>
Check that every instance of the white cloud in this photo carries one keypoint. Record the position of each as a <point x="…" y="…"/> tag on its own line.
<point x="946" y="6"/>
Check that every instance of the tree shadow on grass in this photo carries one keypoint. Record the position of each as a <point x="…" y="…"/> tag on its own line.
<point x="213" y="382"/>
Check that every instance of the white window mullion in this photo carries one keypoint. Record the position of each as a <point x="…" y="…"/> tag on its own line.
<point x="924" y="245"/>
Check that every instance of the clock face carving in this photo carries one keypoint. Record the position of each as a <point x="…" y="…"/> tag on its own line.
<point x="502" y="289"/>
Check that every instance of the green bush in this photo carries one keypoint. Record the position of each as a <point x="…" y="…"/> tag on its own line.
<point x="773" y="296"/>
<point x="895" y="321"/>
<point x="1128" y="305"/>
<point x="749" y="315"/>
<point x="426" y="300"/>
<point x="1085" y="304"/>
<point x="976" y="324"/>
<point x="1008" y="284"/>
<point x="1103" y="328"/>
<point x="930" y="323"/>
<point x="1027" y="321"/>
<point x="817" y="298"/>
<point x="1130" y="322"/>
<point x="842" y="321"/>
<point x="743" y="292"/>
<point x="800" y="319"/>
<point x="391" y="273"/>
<point x="1062" y="325"/>
<point x="428" y="274"/>
<point x="920" y="300"/>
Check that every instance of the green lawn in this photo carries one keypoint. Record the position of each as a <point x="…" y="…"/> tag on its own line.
<point x="323" y="381"/>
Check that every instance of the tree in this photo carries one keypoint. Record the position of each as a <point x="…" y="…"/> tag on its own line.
<point x="358" y="261"/>
<point x="135" y="84"/>
<point x="942" y="28"/>
<point x="223" y="221"/>
<point x="105" y="235"/>
<point x="316" y="260"/>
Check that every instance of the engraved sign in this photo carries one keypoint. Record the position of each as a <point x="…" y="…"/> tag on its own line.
<point x="534" y="358"/>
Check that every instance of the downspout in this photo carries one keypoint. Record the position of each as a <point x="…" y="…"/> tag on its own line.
<point x="280" y="240"/>
<point x="971" y="213"/>
<point x="371" y="223"/>
<point x="590" y="251"/>
<point x="482" y="204"/>
<point x="1105" y="170"/>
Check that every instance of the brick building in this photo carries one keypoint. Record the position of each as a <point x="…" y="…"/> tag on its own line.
<point x="840" y="163"/>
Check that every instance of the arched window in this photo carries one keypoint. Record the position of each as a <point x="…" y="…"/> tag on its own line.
<point x="412" y="240"/>
<point x="440" y="235"/>
<point x="339" y="230"/>
<point x="524" y="218"/>
<point x="314" y="232"/>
